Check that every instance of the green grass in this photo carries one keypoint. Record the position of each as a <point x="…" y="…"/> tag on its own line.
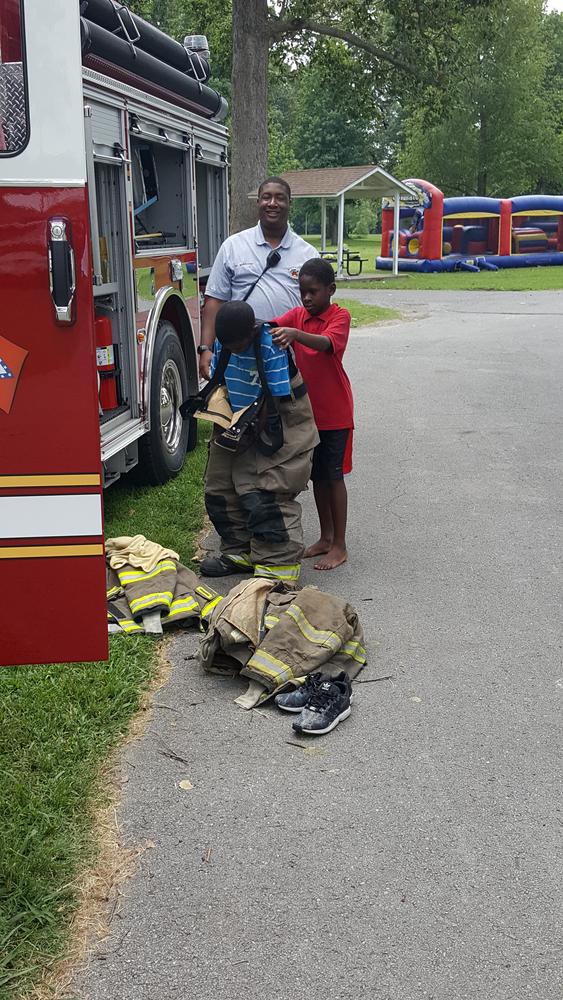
<point x="514" y="279"/>
<point x="365" y="246"/>
<point x="364" y="315"/>
<point x="171" y="514"/>
<point x="517" y="279"/>
<point x="57" y="725"/>
<point x="145" y="283"/>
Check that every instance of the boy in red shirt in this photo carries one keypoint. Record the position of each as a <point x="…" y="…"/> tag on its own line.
<point x="318" y="333"/>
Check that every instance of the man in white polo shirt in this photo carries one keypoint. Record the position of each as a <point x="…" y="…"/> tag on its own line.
<point x="242" y="260"/>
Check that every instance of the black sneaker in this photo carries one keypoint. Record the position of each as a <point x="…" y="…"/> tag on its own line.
<point x="328" y="705"/>
<point x="296" y="699"/>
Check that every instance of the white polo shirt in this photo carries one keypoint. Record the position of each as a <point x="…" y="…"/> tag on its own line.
<point x="242" y="258"/>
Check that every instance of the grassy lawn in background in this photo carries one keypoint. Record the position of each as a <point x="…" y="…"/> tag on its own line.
<point x="513" y="279"/>
<point x="57" y="726"/>
<point x="363" y="315"/>
<point x="365" y="246"/>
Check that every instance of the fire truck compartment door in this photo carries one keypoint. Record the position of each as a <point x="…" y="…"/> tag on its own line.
<point x="107" y="129"/>
<point x="52" y="564"/>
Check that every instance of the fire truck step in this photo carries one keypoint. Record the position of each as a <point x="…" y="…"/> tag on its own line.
<point x="105" y="417"/>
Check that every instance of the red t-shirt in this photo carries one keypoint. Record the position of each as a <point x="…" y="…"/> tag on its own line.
<point x="328" y="384"/>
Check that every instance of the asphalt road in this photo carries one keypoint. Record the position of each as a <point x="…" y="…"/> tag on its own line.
<point x="416" y="851"/>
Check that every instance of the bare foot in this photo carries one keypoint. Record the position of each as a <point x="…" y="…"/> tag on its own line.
<point x="334" y="557"/>
<point x="318" y="549"/>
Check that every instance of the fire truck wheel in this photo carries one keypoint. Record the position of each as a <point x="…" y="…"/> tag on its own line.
<point x="163" y="449"/>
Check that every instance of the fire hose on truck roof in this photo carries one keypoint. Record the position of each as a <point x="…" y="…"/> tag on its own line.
<point x="122" y="45"/>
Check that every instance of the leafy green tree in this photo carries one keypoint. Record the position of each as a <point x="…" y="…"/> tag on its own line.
<point x="283" y="87"/>
<point x="336" y="110"/>
<point x="498" y="134"/>
<point x="212" y="18"/>
<point x="383" y="49"/>
<point x="362" y="220"/>
<point x="291" y="29"/>
<point x="552" y="29"/>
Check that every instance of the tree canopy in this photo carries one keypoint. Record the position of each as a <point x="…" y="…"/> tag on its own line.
<point x="468" y="94"/>
<point x="498" y="134"/>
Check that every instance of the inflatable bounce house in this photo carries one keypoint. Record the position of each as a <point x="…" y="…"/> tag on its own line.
<point x="450" y="234"/>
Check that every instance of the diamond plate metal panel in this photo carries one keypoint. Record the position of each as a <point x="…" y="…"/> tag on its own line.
<point x="13" y="111"/>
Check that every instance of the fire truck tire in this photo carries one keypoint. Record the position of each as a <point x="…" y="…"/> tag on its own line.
<point x="163" y="449"/>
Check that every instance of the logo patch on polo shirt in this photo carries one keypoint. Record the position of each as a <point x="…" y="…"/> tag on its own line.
<point x="294" y="273"/>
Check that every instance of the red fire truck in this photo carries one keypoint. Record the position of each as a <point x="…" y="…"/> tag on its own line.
<point x="113" y="203"/>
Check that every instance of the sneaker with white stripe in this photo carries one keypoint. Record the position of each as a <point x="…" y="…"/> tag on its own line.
<point x="329" y="704"/>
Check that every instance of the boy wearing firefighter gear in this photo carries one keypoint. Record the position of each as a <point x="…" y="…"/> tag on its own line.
<point x="261" y="451"/>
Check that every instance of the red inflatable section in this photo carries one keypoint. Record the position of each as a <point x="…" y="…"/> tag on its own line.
<point x="505" y="238"/>
<point x="431" y="237"/>
<point x="386" y="230"/>
<point x="431" y="241"/>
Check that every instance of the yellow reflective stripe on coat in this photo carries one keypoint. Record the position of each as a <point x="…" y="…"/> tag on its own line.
<point x="134" y="575"/>
<point x="208" y="608"/>
<point x="264" y="663"/>
<point x="287" y="573"/>
<point x="181" y="605"/>
<point x="355" y="650"/>
<point x="112" y="592"/>
<point x="142" y="603"/>
<point x="319" y="636"/>
<point x="204" y="592"/>
<point x="271" y="620"/>
<point x="128" y="625"/>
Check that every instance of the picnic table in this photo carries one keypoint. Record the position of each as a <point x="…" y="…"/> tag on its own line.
<point x="348" y="257"/>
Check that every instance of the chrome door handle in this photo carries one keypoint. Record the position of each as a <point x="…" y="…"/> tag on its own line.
<point x="62" y="270"/>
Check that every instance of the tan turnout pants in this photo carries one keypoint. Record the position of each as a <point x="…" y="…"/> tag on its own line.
<point x="251" y="498"/>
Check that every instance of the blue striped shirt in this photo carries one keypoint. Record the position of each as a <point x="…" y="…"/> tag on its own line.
<point x="241" y="375"/>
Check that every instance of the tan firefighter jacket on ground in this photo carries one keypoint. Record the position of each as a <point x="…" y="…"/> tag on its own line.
<point x="170" y="593"/>
<point x="137" y="551"/>
<point x="275" y="636"/>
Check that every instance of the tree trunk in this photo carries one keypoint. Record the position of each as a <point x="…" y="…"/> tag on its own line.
<point x="482" y="155"/>
<point x="249" y="130"/>
<point x="332" y="224"/>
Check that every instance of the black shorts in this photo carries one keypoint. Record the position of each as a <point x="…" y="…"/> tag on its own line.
<point x="329" y="455"/>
